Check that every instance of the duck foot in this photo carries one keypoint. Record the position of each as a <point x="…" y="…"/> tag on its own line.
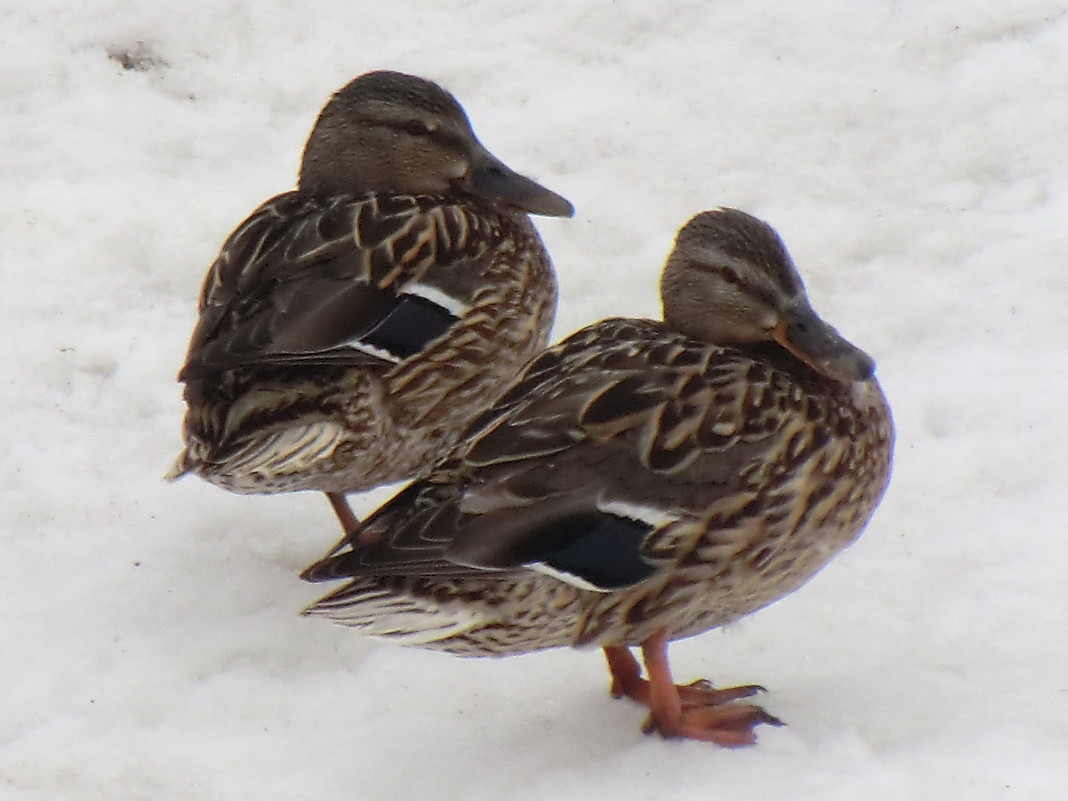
<point x="696" y="711"/>
<point x="729" y="726"/>
<point x="627" y="681"/>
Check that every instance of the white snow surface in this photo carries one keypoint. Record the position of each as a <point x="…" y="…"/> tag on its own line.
<point x="912" y="155"/>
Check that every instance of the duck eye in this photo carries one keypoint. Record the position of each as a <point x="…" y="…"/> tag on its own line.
<point x="730" y="275"/>
<point x="416" y="128"/>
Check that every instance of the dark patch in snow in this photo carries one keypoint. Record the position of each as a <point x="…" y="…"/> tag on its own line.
<point x="141" y="57"/>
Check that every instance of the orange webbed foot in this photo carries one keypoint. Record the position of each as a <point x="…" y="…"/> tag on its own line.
<point x="726" y="724"/>
<point x="696" y="711"/>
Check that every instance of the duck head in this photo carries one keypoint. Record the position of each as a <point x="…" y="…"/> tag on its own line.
<point x="731" y="281"/>
<point x="391" y="132"/>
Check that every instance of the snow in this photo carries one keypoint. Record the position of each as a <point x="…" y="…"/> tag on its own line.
<point x="911" y="154"/>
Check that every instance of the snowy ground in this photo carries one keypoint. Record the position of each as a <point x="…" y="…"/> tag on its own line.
<point x="912" y="155"/>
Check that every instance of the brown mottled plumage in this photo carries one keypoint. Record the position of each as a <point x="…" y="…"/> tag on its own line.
<point x="644" y="481"/>
<point x="351" y="329"/>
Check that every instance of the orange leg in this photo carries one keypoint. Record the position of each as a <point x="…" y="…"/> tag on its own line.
<point x="626" y="674"/>
<point x="695" y="711"/>
<point x="349" y="522"/>
<point x="354" y="534"/>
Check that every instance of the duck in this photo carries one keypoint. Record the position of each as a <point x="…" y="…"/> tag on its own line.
<point x="643" y="481"/>
<point x="351" y="329"/>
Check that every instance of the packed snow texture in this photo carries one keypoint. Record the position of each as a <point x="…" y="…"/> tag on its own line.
<point x="913" y="157"/>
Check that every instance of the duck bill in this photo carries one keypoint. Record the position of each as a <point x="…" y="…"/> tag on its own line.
<point x="493" y="180"/>
<point x="802" y="332"/>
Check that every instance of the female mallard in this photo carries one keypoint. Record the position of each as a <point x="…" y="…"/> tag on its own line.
<point x="644" y="481"/>
<point x="350" y="330"/>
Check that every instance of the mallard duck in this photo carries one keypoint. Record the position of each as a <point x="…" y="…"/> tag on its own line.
<point x="351" y="329"/>
<point x="643" y="481"/>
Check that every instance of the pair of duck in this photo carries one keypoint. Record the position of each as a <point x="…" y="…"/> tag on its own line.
<point x="639" y="482"/>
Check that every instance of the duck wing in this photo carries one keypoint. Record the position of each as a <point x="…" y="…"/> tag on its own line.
<point x="350" y="281"/>
<point x="610" y="439"/>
